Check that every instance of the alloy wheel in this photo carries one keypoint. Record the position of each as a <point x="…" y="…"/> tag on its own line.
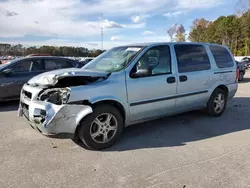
<point x="103" y="128"/>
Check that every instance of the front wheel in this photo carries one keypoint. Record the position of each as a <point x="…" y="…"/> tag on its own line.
<point x="217" y="103"/>
<point x="102" y="128"/>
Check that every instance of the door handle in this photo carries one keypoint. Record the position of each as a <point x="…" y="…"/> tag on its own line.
<point x="171" y="80"/>
<point x="183" y="78"/>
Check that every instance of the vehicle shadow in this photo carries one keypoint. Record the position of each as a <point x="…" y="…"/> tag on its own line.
<point x="188" y="127"/>
<point x="9" y="106"/>
<point x="176" y="130"/>
<point x="245" y="80"/>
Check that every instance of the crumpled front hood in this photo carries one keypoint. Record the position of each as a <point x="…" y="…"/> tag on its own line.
<point x="51" y="78"/>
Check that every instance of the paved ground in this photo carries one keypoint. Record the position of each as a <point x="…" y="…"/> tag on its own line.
<point x="190" y="150"/>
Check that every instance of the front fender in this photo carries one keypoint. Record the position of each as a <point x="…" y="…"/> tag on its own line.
<point x="83" y="113"/>
<point x="124" y="104"/>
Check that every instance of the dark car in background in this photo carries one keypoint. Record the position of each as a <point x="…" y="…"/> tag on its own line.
<point x="242" y="70"/>
<point x="246" y="61"/>
<point x="17" y="72"/>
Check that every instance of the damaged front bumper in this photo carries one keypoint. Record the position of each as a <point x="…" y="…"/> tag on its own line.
<point x="51" y="119"/>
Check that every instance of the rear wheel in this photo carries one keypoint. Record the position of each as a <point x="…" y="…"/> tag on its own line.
<point x="217" y="103"/>
<point x="102" y="128"/>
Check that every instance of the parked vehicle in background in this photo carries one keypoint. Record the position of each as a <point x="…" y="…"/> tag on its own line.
<point x="86" y="60"/>
<point x="245" y="64"/>
<point x="17" y="72"/>
<point x="246" y="61"/>
<point x="242" y="70"/>
<point x="127" y="85"/>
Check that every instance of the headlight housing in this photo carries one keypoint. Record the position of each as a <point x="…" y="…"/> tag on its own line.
<point x="57" y="96"/>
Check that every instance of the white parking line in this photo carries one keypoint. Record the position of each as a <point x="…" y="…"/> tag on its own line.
<point x="243" y="92"/>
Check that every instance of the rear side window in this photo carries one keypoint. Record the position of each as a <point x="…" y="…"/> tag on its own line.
<point x="191" y="58"/>
<point x="37" y="65"/>
<point x="222" y="57"/>
<point x="62" y="63"/>
<point x="74" y="64"/>
<point x="50" y="64"/>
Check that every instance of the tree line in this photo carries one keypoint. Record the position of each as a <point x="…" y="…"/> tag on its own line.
<point x="20" y="50"/>
<point x="232" y="31"/>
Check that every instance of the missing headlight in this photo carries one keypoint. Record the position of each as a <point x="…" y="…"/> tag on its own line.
<point x="57" y="96"/>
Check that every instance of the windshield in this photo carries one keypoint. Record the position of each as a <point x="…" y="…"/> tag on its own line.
<point x="5" y="64"/>
<point x="114" y="59"/>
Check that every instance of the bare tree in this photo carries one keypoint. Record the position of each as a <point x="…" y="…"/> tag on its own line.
<point x="242" y="6"/>
<point x="171" y="31"/>
<point x="180" y="34"/>
<point x="200" y="22"/>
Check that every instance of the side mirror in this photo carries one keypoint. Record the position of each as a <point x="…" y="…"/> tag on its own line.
<point x="7" y="72"/>
<point x="140" y="73"/>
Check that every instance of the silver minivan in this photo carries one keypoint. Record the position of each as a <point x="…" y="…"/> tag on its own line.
<point x="128" y="85"/>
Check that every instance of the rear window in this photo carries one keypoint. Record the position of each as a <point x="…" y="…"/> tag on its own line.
<point x="191" y="58"/>
<point x="222" y="57"/>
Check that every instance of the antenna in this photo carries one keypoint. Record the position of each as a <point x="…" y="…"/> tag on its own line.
<point x="102" y="31"/>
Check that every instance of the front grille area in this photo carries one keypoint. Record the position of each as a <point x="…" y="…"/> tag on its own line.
<point x="25" y="109"/>
<point x="27" y="94"/>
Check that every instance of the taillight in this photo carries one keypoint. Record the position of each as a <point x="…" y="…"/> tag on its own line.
<point x="237" y="74"/>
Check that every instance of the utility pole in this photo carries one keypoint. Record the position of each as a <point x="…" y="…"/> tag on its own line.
<point x="102" y="31"/>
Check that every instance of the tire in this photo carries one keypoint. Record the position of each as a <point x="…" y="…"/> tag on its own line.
<point x="90" y="126"/>
<point x="211" y="109"/>
<point x="241" y="76"/>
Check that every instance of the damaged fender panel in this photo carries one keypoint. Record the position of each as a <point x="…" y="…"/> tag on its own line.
<point x="67" y="118"/>
<point x="54" y="119"/>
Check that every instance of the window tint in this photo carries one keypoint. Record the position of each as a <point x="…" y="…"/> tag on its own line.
<point x="191" y="58"/>
<point x="87" y="60"/>
<point x="61" y="64"/>
<point x="156" y="60"/>
<point x="36" y="65"/>
<point x="23" y="66"/>
<point x="50" y="64"/>
<point x="74" y="64"/>
<point x="222" y="57"/>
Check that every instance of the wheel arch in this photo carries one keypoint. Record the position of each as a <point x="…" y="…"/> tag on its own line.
<point x="223" y="87"/>
<point x="112" y="102"/>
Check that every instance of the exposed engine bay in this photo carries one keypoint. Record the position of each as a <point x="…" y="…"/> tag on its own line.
<point x="77" y="81"/>
<point x="56" y="96"/>
<point x="60" y="92"/>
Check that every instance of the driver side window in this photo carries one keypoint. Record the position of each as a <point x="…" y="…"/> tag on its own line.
<point x="155" y="61"/>
<point x="22" y="67"/>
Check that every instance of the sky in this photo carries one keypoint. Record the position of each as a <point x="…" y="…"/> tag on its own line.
<point x="79" y="22"/>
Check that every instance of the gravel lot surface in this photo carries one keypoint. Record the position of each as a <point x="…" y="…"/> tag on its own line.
<point x="188" y="150"/>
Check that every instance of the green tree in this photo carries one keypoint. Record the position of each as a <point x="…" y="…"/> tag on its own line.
<point x="232" y="31"/>
<point x="245" y="25"/>
<point x="198" y="31"/>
